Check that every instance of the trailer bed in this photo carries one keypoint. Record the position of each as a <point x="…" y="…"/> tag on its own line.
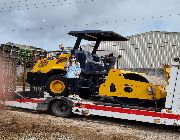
<point x="86" y="108"/>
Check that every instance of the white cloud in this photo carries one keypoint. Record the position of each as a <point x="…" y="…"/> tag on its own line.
<point x="32" y="30"/>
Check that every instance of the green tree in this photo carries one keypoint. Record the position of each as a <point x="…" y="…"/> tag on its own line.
<point x="25" y="56"/>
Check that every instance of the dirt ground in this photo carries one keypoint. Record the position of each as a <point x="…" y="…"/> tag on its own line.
<point x="18" y="124"/>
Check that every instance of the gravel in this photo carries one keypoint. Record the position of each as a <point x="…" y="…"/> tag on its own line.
<point x="31" y="125"/>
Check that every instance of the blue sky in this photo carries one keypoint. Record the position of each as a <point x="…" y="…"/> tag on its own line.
<point x="44" y="23"/>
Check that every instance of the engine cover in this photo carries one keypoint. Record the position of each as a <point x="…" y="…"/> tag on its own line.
<point x="120" y="83"/>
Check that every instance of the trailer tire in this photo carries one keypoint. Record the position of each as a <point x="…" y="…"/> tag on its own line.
<point x="61" y="108"/>
<point x="52" y="90"/>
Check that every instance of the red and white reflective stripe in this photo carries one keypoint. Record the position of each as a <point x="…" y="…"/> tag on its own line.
<point x="130" y="111"/>
<point x="26" y="105"/>
<point x="26" y="100"/>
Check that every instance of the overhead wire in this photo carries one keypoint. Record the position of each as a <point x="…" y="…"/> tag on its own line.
<point x="37" y="5"/>
<point x="108" y="22"/>
<point x="63" y="2"/>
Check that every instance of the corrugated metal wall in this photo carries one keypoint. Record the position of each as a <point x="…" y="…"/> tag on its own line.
<point x="146" y="50"/>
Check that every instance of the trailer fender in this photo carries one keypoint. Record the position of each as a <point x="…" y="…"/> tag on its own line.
<point x="45" y="106"/>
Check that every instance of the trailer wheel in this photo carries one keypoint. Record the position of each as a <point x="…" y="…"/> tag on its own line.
<point x="57" y="86"/>
<point x="61" y="108"/>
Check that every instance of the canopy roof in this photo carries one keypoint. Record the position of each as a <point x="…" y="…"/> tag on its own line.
<point x="94" y="35"/>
